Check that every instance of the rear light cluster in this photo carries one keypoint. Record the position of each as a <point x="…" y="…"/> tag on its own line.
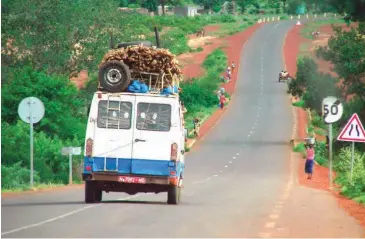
<point x="89" y="147"/>
<point x="174" y="149"/>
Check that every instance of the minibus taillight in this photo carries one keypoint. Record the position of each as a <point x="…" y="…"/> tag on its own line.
<point x="174" y="151"/>
<point x="89" y="147"/>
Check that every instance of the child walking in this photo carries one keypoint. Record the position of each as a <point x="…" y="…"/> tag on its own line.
<point x="222" y="100"/>
<point x="309" y="163"/>
<point x="233" y="65"/>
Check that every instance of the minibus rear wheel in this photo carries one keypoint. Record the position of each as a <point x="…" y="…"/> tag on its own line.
<point x="92" y="193"/>
<point x="173" y="194"/>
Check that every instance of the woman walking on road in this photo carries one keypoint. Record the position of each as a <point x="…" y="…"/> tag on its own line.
<point x="222" y="100"/>
<point x="310" y="161"/>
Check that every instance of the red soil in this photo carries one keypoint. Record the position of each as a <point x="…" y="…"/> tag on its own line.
<point x="232" y="46"/>
<point x="320" y="179"/>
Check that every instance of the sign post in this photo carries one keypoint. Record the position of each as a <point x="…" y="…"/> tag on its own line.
<point x="332" y="111"/>
<point x="353" y="132"/>
<point x="31" y="111"/>
<point x="69" y="151"/>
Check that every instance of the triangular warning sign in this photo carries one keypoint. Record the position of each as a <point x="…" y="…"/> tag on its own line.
<point x="353" y="130"/>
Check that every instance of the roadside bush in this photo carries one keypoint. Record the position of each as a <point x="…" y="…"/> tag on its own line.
<point x="49" y="164"/>
<point x="321" y="155"/>
<point x="317" y="120"/>
<point x="343" y="163"/>
<point x="16" y="176"/>
<point x="319" y="86"/>
<point x="200" y="94"/>
<point x="300" y="148"/>
<point x="300" y="104"/>
<point x="307" y="70"/>
<point x="356" y="189"/>
<point x="227" y="18"/>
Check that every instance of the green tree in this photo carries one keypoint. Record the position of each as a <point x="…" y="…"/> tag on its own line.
<point x="151" y="5"/>
<point x="243" y="4"/>
<point x="65" y="111"/>
<point x="346" y="52"/>
<point x="123" y="3"/>
<point x="163" y="3"/>
<point x="44" y="33"/>
<point x="306" y="73"/>
<point x="210" y="4"/>
<point x="354" y="8"/>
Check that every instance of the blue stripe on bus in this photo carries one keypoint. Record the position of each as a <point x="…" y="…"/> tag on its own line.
<point x="134" y="166"/>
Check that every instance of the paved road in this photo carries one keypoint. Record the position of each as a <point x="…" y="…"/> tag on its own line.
<point x="232" y="179"/>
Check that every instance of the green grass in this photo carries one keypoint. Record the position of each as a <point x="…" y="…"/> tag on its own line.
<point x="37" y="186"/>
<point x="199" y="96"/>
<point x="304" y="47"/>
<point x="200" y="114"/>
<point x="300" y="104"/>
<point x="300" y="148"/>
<point x="198" y="49"/>
<point x="312" y="26"/>
<point x="310" y="128"/>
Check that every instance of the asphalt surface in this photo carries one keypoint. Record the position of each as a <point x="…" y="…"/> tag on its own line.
<point x="232" y="179"/>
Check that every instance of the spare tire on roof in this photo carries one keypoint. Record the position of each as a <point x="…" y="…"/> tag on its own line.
<point x="114" y="76"/>
<point x="134" y="43"/>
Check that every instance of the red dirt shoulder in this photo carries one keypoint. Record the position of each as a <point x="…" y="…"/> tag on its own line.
<point x="233" y="48"/>
<point x="320" y="179"/>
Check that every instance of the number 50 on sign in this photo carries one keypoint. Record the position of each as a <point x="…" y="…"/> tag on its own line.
<point x="332" y="109"/>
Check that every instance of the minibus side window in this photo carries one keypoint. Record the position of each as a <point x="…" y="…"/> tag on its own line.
<point x="114" y="115"/>
<point x="153" y="117"/>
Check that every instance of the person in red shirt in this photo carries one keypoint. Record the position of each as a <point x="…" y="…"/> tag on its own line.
<point x="222" y="100"/>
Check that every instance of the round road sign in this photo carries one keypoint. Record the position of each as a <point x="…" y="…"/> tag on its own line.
<point x="31" y="107"/>
<point x="332" y="109"/>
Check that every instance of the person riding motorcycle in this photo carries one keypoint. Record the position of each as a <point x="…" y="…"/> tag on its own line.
<point x="283" y="74"/>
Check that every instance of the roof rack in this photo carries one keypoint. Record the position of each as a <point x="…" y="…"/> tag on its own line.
<point x="156" y="81"/>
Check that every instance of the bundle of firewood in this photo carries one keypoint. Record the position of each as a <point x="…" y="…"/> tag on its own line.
<point x="145" y="59"/>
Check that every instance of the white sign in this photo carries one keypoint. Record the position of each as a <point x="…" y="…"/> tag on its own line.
<point x="332" y="109"/>
<point x="31" y="110"/>
<point x="353" y="130"/>
<point x="73" y="150"/>
<point x="76" y="150"/>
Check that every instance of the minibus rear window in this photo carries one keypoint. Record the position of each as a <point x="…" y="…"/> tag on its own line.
<point x="118" y="116"/>
<point x="153" y="117"/>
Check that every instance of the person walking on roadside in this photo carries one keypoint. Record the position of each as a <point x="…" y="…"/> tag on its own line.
<point x="228" y="74"/>
<point x="196" y="123"/>
<point x="222" y="100"/>
<point x="309" y="163"/>
<point x="233" y="65"/>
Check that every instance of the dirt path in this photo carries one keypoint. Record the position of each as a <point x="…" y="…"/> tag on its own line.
<point x="323" y="208"/>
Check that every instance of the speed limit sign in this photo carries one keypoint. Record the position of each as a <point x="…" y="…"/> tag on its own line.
<point x="332" y="109"/>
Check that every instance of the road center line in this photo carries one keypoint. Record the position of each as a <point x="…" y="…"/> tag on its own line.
<point x="60" y="217"/>
<point x="203" y="181"/>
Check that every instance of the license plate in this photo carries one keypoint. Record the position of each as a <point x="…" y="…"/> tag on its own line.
<point x="126" y="179"/>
